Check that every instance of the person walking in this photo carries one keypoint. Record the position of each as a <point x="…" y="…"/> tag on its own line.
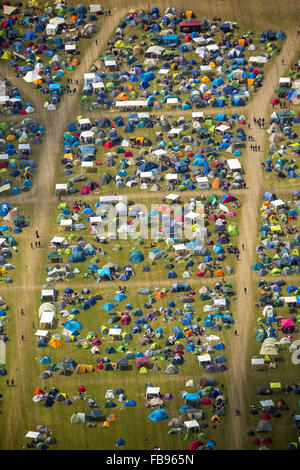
<point x="36" y="244"/>
<point x="243" y="247"/>
<point x="12" y="382"/>
<point x="22" y="312"/>
<point x="22" y="337"/>
<point x="235" y="332"/>
<point x="245" y="290"/>
<point x="37" y="234"/>
<point x="7" y="382"/>
<point x="39" y="244"/>
<point x="31" y="245"/>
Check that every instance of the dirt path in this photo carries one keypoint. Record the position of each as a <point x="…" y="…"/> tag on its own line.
<point x="42" y="200"/>
<point x="240" y="360"/>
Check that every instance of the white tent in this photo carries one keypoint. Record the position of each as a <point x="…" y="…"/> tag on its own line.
<point x="192" y="425"/>
<point x="152" y="391"/>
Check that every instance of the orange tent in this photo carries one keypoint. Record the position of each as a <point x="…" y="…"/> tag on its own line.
<point x="216" y="183"/>
<point x="250" y="82"/>
<point x="219" y="272"/>
<point x="241" y="42"/>
<point x="122" y="96"/>
<point x="39" y="391"/>
<point x="112" y="418"/>
<point x="75" y="62"/>
<point x="188" y="333"/>
<point x="179" y="153"/>
<point x="55" y="343"/>
<point x="159" y="295"/>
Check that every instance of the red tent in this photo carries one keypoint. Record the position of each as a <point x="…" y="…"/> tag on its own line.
<point x="81" y="389"/>
<point x="194" y="445"/>
<point x="125" y="319"/>
<point x="267" y="440"/>
<point x="199" y="274"/>
<point x="206" y="401"/>
<point x="108" y="144"/>
<point x="99" y="366"/>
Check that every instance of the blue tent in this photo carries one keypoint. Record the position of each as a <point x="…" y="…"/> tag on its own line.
<point x="76" y="257"/>
<point x="136" y="257"/>
<point x="158" y="415"/>
<point x="120" y="442"/>
<point x="45" y="360"/>
<point x="108" y="306"/>
<point x="120" y="297"/>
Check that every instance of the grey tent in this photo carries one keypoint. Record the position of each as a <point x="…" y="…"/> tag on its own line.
<point x="105" y="178"/>
<point x="264" y="426"/>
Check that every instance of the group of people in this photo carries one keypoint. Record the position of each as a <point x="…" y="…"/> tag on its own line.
<point x="260" y="122"/>
<point x="37" y="242"/>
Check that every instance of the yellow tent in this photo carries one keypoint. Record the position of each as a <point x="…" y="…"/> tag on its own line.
<point x="275" y="385"/>
<point x="143" y="370"/>
<point x="6" y="55"/>
<point x="106" y="424"/>
<point x="83" y="368"/>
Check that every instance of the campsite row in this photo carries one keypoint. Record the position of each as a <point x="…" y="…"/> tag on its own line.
<point x="10" y="100"/>
<point x="156" y="60"/>
<point x="13" y="221"/>
<point x="149" y="332"/>
<point x="41" y="43"/>
<point x="18" y="155"/>
<point x="278" y="250"/>
<point x="116" y="239"/>
<point x="153" y="153"/>
<point x="284" y="145"/>
<point x="189" y="416"/>
<point x="120" y="335"/>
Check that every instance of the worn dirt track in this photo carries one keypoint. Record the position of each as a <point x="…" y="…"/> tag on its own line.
<point x="42" y="201"/>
